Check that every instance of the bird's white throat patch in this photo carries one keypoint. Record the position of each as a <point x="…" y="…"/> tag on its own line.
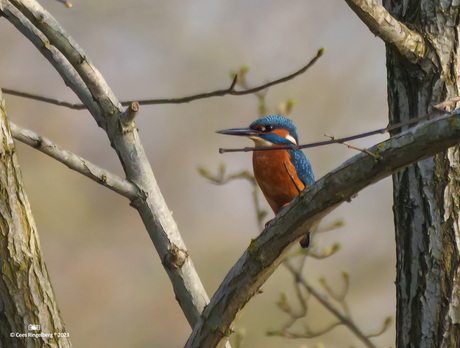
<point x="262" y="142"/>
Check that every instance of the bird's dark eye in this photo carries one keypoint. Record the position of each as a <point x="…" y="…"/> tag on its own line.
<point x="263" y="129"/>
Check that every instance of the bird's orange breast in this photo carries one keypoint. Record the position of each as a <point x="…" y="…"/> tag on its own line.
<point x="276" y="175"/>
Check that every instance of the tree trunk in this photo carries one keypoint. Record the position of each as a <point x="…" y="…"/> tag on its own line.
<point x="427" y="194"/>
<point x="26" y="295"/>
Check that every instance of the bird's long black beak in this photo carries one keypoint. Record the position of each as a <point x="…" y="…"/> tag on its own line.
<point x="244" y="132"/>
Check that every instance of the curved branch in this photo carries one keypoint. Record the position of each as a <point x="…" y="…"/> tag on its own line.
<point x="231" y="90"/>
<point x="266" y="252"/>
<point x="89" y="85"/>
<point x="381" y="23"/>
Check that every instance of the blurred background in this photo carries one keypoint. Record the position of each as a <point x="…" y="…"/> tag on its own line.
<point x="108" y="279"/>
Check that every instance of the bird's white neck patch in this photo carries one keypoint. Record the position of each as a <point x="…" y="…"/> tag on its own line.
<point x="291" y="139"/>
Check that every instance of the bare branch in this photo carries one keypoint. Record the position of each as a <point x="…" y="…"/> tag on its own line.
<point x="266" y="252"/>
<point x="231" y="90"/>
<point x="326" y="252"/>
<point x="342" y="140"/>
<point x="343" y="319"/>
<point x="43" y="99"/>
<point x="382" y="24"/>
<point x="343" y="316"/>
<point x="308" y="334"/>
<point x="218" y="93"/>
<point x="347" y="144"/>
<point x="88" y="84"/>
<point x="74" y="162"/>
<point x="385" y="326"/>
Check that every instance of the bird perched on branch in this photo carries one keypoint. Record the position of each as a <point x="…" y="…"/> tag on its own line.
<point x="281" y="174"/>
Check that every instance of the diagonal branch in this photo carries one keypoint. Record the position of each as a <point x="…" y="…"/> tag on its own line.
<point x="266" y="252"/>
<point x="88" y="84"/>
<point x="381" y="23"/>
<point x="218" y="93"/>
<point x="77" y="163"/>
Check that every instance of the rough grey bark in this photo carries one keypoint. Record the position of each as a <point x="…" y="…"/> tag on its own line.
<point x="427" y="194"/>
<point x="26" y="295"/>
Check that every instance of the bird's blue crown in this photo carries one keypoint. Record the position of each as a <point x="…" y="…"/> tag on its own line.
<point x="277" y="122"/>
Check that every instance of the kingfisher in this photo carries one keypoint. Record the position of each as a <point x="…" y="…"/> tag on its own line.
<point x="281" y="174"/>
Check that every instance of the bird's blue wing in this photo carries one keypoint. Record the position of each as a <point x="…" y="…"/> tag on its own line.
<point x="303" y="167"/>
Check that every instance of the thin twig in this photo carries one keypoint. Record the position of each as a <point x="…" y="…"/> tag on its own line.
<point x="341" y="140"/>
<point x="218" y="93"/>
<point x="336" y="312"/>
<point x="66" y="3"/>
<point x="386" y="324"/>
<point x="347" y="144"/>
<point x="326" y="252"/>
<point x="366" y="151"/>
<point x="231" y="90"/>
<point x="309" y="334"/>
<point x="340" y="298"/>
<point x="43" y="99"/>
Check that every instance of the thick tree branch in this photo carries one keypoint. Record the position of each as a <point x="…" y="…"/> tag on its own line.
<point x="266" y="252"/>
<point x="381" y="23"/>
<point x="89" y="85"/>
<point x="77" y="163"/>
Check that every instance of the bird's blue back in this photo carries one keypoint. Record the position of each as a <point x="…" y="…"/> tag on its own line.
<point x="303" y="166"/>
